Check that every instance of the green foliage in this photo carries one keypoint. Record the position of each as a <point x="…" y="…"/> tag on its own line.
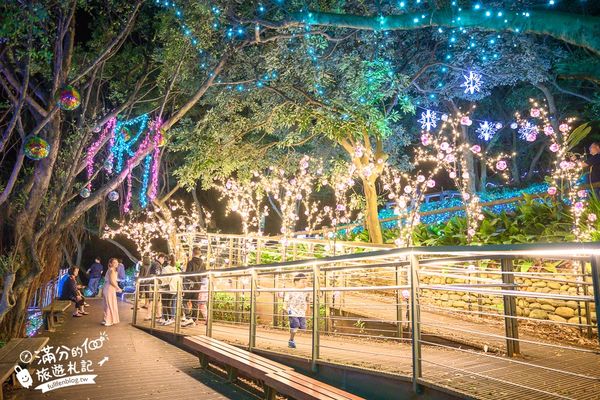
<point x="532" y="221"/>
<point x="577" y="135"/>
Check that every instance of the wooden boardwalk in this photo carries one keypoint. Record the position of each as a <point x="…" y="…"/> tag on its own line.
<point x="139" y="366"/>
<point x="473" y="373"/>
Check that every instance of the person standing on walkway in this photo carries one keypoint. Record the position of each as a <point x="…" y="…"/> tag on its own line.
<point x="155" y="269"/>
<point x="296" y="304"/>
<point x="169" y="293"/>
<point x="121" y="275"/>
<point x="191" y="286"/>
<point x="109" y="294"/>
<point x="70" y="291"/>
<point x="95" y="274"/>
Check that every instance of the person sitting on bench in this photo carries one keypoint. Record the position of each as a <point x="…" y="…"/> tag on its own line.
<point x="71" y="292"/>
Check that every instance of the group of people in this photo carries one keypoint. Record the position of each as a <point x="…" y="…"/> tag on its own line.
<point x="194" y="290"/>
<point x="72" y="289"/>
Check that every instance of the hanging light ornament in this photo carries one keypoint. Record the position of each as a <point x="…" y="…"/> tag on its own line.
<point x="113" y="196"/>
<point x="36" y="148"/>
<point x="68" y="98"/>
<point x="85" y="193"/>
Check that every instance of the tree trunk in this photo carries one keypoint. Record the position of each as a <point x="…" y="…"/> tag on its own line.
<point x="372" y="215"/>
<point x="469" y="161"/>
<point x="516" y="174"/>
<point x="482" y="175"/>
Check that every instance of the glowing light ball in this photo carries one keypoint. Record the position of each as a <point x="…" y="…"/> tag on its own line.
<point x="592" y="217"/>
<point x="535" y="112"/>
<point x="113" y="196"/>
<point x="499" y="125"/>
<point x="465" y="120"/>
<point x="85" y="193"/>
<point x="554" y="147"/>
<point x="514" y="125"/>
<point x="476" y="149"/>
<point x="68" y="98"/>
<point x="501" y="165"/>
<point x="430" y="183"/>
<point x="126" y="133"/>
<point x="444" y="117"/>
<point x="36" y="148"/>
<point x="563" y="128"/>
<point x="548" y="130"/>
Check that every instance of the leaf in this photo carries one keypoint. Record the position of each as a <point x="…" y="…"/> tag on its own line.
<point x="577" y="135"/>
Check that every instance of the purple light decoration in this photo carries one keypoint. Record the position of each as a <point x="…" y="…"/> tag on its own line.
<point x="127" y="204"/>
<point x="157" y="139"/>
<point x="93" y="149"/>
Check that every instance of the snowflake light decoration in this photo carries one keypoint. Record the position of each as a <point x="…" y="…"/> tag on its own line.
<point x="486" y="131"/>
<point x="472" y="82"/>
<point x="428" y="120"/>
<point x="528" y="130"/>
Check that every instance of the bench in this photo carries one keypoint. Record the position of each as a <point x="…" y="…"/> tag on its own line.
<point x="275" y="377"/>
<point x="51" y="312"/>
<point x="10" y="356"/>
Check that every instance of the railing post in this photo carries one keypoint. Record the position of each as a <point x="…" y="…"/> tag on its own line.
<point x="208" y="251"/>
<point x="252" y="331"/>
<point x="275" y="301"/>
<point x="154" y="302"/>
<point x="415" y="322"/>
<point x="209" y="305"/>
<point x="178" y="304"/>
<point x="511" y="325"/>
<point x="136" y="302"/>
<point x="595" y="262"/>
<point x="315" y="318"/>
<point x="231" y="253"/>
<point x="326" y="303"/>
<point x="399" y="314"/>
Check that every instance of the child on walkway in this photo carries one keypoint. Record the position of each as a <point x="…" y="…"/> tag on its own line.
<point x="296" y="304"/>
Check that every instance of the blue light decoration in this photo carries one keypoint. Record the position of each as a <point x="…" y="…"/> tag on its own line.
<point x="528" y="131"/>
<point x="428" y="120"/>
<point x="472" y="82"/>
<point x="508" y="193"/>
<point x="145" y="181"/>
<point x="124" y="140"/>
<point x="486" y="130"/>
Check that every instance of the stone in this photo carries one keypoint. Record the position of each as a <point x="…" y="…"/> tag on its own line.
<point x="538" y="314"/>
<point x="548" y="307"/>
<point x="519" y="311"/>
<point x="535" y="306"/>
<point x="554" y="285"/>
<point x="526" y="312"/>
<point x="565" y="312"/>
<point x="459" y="304"/>
<point x="572" y="304"/>
<point x="539" y="284"/>
<point x="564" y="288"/>
<point x="454" y="297"/>
<point x="444" y="297"/>
<point x="575" y="320"/>
<point x="556" y="318"/>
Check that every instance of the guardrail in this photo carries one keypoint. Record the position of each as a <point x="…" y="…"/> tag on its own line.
<point x="380" y="312"/>
<point x="229" y="250"/>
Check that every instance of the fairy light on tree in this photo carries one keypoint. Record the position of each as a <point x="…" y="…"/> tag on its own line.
<point x="170" y="223"/>
<point x="407" y="191"/>
<point x="245" y="198"/>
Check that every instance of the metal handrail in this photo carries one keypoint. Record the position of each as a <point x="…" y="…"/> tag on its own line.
<point x="245" y="284"/>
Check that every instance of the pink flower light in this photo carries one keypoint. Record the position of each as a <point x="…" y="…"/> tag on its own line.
<point x="476" y="149"/>
<point x="563" y="128"/>
<point x="548" y="130"/>
<point x="501" y="165"/>
<point x="552" y="190"/>
<point x="535" y="112"/>
<point x="554" y="147"/>
<point x="592" y="217"/>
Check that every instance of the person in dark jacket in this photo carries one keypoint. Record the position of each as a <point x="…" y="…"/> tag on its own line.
<point x="155" y="269"/>
<point x="71" y="292"/>
<point x="593" y="162"/>
<point x="191" y="286"/>
<point x="95" y="274"/>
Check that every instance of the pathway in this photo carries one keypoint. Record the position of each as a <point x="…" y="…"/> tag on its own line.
<point x="139" y="366"/>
